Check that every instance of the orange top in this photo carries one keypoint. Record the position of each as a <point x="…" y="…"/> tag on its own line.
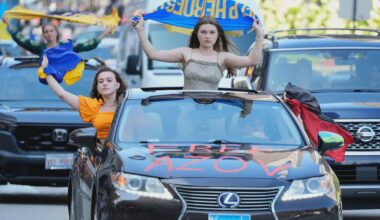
<point x="89" y="112"/>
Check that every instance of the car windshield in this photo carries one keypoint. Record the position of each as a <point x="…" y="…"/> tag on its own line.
<point x="186" y="120"/>
<point x="103" y="52"/>
<point x="22" y="84"/>
<point x="157" y="34"/>
<point x="325" y="69"/>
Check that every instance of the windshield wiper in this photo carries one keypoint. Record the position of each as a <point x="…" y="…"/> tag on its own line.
<point x="220" y="141"/>
<point x="366" y="90"/>
<point x="148" y="141"/>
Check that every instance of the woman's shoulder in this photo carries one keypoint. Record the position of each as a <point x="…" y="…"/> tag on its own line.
<point x="90" y="103"/>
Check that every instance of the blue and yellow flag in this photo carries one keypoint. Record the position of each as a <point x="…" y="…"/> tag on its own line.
<point x="182" y="15"/>
<point x="20" y="12"/>
<point x="64" y="64"/>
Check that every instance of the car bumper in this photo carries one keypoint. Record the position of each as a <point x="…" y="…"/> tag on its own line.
<point x="128" y="206"/>
<point x="28" y="168"/>
<point x="359" y="177"/>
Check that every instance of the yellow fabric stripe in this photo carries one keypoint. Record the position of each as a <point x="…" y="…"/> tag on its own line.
<point x="20" y="12"/>
<point x="74" y="75"/>
<point x="188" y="31"/>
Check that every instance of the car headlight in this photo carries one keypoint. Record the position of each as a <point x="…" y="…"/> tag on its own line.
<point x="141" y="185"/>
<point x="308" y="188"/>
<point x="7" y="125"/>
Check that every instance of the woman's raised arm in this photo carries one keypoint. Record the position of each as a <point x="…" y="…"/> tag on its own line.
<point x="174" y="56"/>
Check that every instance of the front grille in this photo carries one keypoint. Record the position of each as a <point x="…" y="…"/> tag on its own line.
<point x="349" y="174"/>
<point x="40" y="138"/>
<point x="204" y="198"/>
<point x="353" y="127"/>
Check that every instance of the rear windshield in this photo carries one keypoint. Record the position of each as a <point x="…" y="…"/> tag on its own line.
<point x="325" y="69"/>
<point x="206" y="120"/>
<point x="22" y="84"/>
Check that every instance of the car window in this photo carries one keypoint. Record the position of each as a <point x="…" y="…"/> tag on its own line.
<point x="324" y="69"/>
<point x="23" y="84"/>
<point x="204" y="120"/>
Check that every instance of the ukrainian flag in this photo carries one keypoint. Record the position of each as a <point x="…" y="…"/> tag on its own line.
<point x="64" y="64"/>
<point x="182" y="15"/>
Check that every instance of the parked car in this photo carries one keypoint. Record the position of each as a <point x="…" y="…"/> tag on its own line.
<point x="341" y="69"/>
<point x="35" y="124"/>
<point x="174" y="154"/>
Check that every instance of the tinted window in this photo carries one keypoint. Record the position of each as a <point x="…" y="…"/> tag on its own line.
<point x="325" y="69"/>
<point x="23" y="84"/>
<point x="204" y="120"/>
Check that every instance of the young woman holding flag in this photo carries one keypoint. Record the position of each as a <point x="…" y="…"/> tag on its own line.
<point x="51" y="36"/>
<point x="207" y="55"/>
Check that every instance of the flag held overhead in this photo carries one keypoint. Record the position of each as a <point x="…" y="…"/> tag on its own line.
<point x="182" y="15"/>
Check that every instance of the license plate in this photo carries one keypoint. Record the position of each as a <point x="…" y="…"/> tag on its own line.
<point x="59" y="161"/>
<point x="228" y="217"/>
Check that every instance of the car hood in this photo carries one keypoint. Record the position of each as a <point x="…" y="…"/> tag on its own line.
<point x="350" y="105"/>
<point x="216" y="161"/>
<point x="40" y="114"/>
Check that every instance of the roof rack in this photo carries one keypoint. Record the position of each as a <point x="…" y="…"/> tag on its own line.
<point x="273" y="35"/>
<point x="147" y="89"/>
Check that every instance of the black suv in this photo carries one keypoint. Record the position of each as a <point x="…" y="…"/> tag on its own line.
<point x="341" y="67"/>
<point x="35" y="124"/>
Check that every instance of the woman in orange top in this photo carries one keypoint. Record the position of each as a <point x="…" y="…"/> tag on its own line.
<point x="108" y="90"/>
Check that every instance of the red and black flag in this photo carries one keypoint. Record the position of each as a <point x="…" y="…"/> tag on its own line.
<point x="305" y="106"/>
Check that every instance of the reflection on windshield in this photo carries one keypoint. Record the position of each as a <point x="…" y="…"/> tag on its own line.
<point x="158" y="35"/>
<point x="23" y="84"/>
<point x="329" y="69"/>
<point x="191" y="120"/>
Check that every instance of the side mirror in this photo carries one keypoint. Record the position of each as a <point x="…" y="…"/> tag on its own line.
<point x="83" y="137"/>
<point x="133" y="65"/>
<point x="329" y="141"/>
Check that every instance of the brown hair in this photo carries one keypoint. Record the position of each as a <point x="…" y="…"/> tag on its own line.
<point x="55" y="28"/>
<point x="120" y="93"/>
<point x="222" y="44"/>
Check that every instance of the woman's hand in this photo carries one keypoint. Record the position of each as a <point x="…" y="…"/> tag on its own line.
<point x="260" y="33"/>
<point x="138" y="20"/>
<point x="44" y="62"/>
<point x="106" y="32"/>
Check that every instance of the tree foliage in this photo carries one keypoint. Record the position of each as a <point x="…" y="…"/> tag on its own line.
<point x="290" y="14"/>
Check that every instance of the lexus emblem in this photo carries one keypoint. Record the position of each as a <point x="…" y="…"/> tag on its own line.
<point x="365" y="133"/>
<point x="59" y="135"/>
<point x="228" y="200"/>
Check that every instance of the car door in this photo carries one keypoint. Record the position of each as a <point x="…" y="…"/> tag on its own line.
<point x="87" y="165"/>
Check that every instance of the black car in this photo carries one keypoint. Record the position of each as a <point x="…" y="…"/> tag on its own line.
<point x="341" y="69"/>
<point x="35" y="124"/>
<point x="174" y="154"/>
